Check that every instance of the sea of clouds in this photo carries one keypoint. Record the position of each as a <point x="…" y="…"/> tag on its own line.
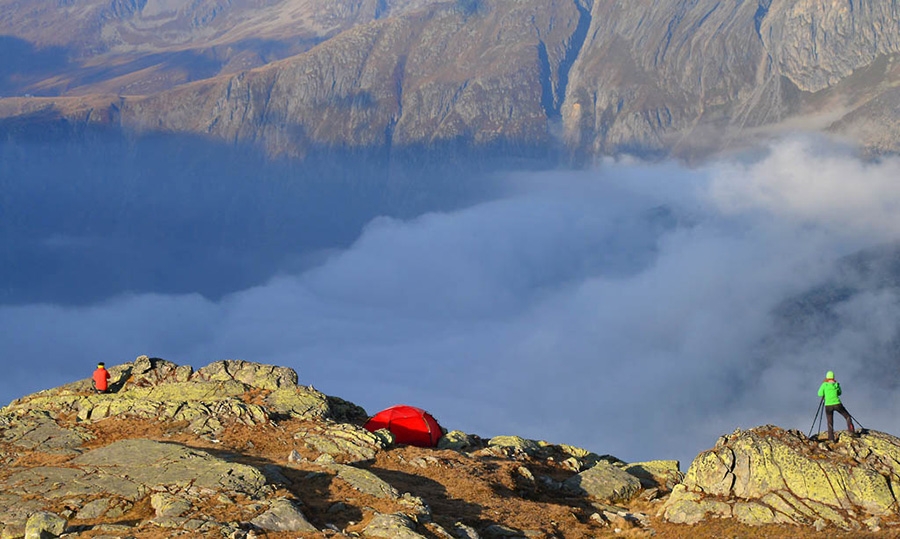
<point x="632" y="309"/>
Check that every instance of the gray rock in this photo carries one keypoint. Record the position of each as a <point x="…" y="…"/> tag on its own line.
<point x="147" y="372"/>
<point x="12" y="531"/>
<point x="283" y="516"/>
<point x="253" y="374"/>
<point x="53" y="483"/>
<point x="43" y="525"/>
<point x="394" y="526"/>
<point x="515" y="443"/>
<point x="93" y="509"/>
<point x="462" y="531"/>
<point x="663" y="474"/>
<point x="458" y="440"/>
<point x="168" y="505"/>
<point x="495" y="531"/>
<point x="352" y="443"/>
<point x="604" y="482"/>
<point x="274" y="474"/>
<point x="150" y="463"/>
<point x="37" y="429"/>
<point x="366" y="482"/>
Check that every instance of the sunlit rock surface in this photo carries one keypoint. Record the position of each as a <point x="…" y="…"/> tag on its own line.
<point x="239" y="448"/>
<point x="769" y="475"/>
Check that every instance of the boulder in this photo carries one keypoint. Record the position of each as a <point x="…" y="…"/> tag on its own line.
<point x="366" y="482"/>
<point x="393" y="526"/>
<point x="768" y="475"/>
<point x="43" y="525"/>
<point x="663" y="474"/>
<point x="352" y="443"/>
<point x="604" y="481"/>
<point x="147" y="371"/>
<point x="93" y="509"/>
<point x="283" y="516"/>
<point x="516" y="444"/>
<point x="458" y="440"/>
<point x="168" y="505"/>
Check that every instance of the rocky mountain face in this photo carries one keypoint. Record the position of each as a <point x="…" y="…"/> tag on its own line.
<point x="239" y="449"/>
<point x="577" y="78"/>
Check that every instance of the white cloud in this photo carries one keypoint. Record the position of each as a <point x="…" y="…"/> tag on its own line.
<point x="627" y="309"/>
<point x="815" y="183"/>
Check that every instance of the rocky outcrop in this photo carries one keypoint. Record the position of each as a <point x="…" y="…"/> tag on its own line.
<point x="284" y="461"/>
<point x="237" y="449"/>
<point x="207" y="399"/>
<point x="768" y="475"/>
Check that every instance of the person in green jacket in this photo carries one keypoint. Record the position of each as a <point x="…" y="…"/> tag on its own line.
<point x="830" y="390"/>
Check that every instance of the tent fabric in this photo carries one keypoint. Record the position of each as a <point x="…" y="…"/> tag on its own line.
<point x="408" y="424"/>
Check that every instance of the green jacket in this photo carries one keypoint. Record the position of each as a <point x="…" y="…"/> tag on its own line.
<point x="831" y="390"/>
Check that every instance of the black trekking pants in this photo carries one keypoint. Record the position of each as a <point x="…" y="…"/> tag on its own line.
<point x="829" y="415"/>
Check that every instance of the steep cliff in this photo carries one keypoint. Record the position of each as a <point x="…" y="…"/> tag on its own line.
<point x="442" y="75"/>
<point x="588" y="78"/>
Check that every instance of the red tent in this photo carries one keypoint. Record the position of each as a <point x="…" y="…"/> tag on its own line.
<point x="410" y="425"/>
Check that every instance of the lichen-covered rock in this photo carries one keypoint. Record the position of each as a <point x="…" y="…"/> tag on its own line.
<point x="223" y="391"/>
<point x="43" y="524"/>
<point x="604" y="481"/>
<point x="516" y="444"/>
<point x="663" y="474"/>
<point x="15" y="510"/>
<point x="33" y="429"/>
<point x="768" y="475"/>
<point x="51" y="482"/>
<point x="299" y="402"/>
<point x="458" y="440"/>
<point x="93" y="509"/>
<point x="685" y="507"/>
<point x="147" y="371"/>
<point x="345" y="440"/>
<point x="366" y="482"/>
<point x="149" y="463"/>
<point x="168" y="505"/>
<point x="283" y="516"/>
<point x="253" y="374"/>
<point x="394" y="526"/>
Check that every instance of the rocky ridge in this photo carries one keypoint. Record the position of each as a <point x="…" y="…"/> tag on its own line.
<point x="237" y="449"/>
<point x="173" y="451"/>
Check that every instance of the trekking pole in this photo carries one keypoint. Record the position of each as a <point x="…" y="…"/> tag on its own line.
<point x="818" y="411"/>
<point x="822" y="417"/>
<point x="857" y="421"/>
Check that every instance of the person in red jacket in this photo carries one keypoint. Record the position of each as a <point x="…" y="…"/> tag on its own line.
<point x="101" y="378"/>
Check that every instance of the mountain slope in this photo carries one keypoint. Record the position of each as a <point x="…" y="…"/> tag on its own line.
<point x="584" y="78"/>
